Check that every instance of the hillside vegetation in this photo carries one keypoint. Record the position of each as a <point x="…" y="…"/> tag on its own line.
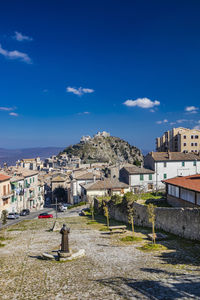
<point x="106" y="149"/>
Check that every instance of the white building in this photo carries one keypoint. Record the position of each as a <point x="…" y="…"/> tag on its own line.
<point x="103" y="134"/>
<point x="171" y="164"/>
<point x="85" y="138"/>
<point x="105" y="187"/>
<point x="78" y="179"/>
<point x="139" y="179"/>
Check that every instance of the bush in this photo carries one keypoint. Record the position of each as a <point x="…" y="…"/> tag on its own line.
<point x="4" y="215"/>
<point x="152" y="247"/>
<point x="131" y="238"/>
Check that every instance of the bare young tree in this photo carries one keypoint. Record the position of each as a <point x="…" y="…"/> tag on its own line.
<point x="130" y="213"/>
<point x="152" y="216"/>
<point x="92" y="209"/>
<point x="4" y="215"/>
<point x="106" y="212"/>
<point x="129" y="200"/>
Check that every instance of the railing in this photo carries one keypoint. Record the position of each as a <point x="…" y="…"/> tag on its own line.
<point x="6" y="196"/>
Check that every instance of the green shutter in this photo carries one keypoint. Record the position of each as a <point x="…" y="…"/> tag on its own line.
<point x="141" y="177"/>
<point x="150" y="176"/>
<point x="183" y="164"/>
<point x="165" y="176"/>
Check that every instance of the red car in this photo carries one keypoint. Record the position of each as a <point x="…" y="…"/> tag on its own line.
<point x="45" y="215"/>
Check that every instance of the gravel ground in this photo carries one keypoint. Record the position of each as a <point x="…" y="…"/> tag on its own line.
<point x="110" y="270"/>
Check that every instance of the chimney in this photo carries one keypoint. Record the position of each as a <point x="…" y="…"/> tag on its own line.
<point x="94" y="177"/>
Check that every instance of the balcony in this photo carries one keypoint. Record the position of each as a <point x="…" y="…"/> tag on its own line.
<point x="6" y="196"/>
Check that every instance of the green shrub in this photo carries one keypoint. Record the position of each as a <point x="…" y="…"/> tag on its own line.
<point x="152" y="247"/>
<point x="131" y="238"/>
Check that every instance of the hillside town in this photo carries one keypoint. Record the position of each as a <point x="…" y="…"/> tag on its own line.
<point x="33" y="183"/>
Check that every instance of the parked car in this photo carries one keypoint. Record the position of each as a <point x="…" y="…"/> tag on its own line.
<point x="45" y="216"/>
<point x="13" y="216"/>
<point x="62" y="208"/>
<point x="24" y="212"/>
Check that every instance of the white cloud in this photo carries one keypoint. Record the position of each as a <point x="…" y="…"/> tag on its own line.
<point x="15" y="55"/>
<point x="142" y="102"/>
<point x="79" y="91"/>
<point x="13" y="114"/>
<point x="20" y="37"/>
<point x="3" y="108"/>
<point x="191" y="109"/>
<point x="84" y="113"/>
<point x="162" y="122"/>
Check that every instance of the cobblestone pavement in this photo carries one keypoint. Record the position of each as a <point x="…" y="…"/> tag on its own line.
<point x="110" y="269"/>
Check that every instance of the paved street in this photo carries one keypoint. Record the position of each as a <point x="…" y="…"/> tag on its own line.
<point x="74" y="212"/>
<point x="32" y="215"/>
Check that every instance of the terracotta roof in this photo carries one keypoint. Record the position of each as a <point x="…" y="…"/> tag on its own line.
<point x="4" y="177"/>
<point x="174" y="156"/>
<point x="88" y="176"/>
<point x="191" y="182"/>
<point x="58" y="178"/>
<point x="21" y="171"/>
<point x="137" y="170"/>
<point x="105" y="184"/>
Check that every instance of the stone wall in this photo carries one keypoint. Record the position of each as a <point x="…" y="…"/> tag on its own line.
<point x="184" y="222"/>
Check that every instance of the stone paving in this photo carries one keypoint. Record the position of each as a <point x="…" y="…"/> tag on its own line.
<point x="110" y="270"/>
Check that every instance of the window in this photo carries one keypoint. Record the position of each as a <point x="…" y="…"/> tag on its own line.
<point x="184" y="136"/>
<point x="194" y="163"/>
<point x="196" y="136"/>
<point x="150" y="176"/>
<point x="192" y="136"/>
<point x="141" y="177"/>
<point x="183" y="164"/>
<point x="195" y="144"/>
<point x="165" y="176"/>
<point x="192" y="144"/>
<point x="184" y="144"/>
<point x="4" y="190"/>
<point x="165" y="164"/>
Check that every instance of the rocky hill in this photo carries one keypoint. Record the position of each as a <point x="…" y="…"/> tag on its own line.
<point x="106" y="149"/>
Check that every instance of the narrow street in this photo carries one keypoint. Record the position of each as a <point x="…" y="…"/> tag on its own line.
<point x="74" y="212"/>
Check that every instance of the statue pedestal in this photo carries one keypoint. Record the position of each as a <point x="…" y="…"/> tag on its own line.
<point x="63" y="255"/>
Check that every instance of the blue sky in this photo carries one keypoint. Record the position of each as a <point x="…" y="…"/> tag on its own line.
<point x="72" y="68"/>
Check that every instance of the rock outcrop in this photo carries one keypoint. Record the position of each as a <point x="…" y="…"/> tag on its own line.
<point x="106" y="149"/>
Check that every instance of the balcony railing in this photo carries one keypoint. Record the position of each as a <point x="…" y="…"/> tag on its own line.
<point x="6" y="196"/>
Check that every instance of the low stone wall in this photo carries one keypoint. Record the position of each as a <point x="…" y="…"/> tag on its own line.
<point x="184" y="222"/>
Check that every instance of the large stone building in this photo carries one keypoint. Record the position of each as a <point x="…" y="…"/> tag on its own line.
<point x="179" y="140"/>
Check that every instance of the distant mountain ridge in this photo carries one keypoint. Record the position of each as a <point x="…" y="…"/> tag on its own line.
<point x="106" y="149"/>
<point x="10" y="156"/>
